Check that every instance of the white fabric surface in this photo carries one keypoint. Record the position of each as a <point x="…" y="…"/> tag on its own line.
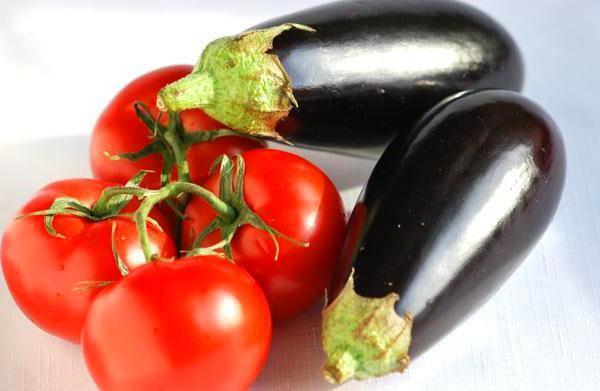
<point x="62" y="60"/>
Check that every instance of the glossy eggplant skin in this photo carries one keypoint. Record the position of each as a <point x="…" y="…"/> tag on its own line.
<point x="447" y="217"/>
<point x="373" y="67"/>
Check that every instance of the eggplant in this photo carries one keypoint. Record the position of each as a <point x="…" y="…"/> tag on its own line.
<point x="444" y="219"/>
<point x="364" y="76"/>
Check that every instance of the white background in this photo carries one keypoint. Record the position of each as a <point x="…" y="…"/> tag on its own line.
<point x="61" y="61"/>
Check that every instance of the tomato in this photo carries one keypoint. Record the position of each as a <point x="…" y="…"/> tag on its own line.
<point x="41" y="270"/>
<point x="198" y="323"/>
<point x="296" y="198"/>
<point x="118" y="130"/>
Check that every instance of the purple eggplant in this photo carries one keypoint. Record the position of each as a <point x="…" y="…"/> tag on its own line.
<point x="372" y="68"/>
<point x="443" y="221"/>
<point x="366" y="73"/>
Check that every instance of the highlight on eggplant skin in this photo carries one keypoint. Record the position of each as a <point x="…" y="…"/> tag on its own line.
<point x="373" y="68"/>
<point x="448" y="216"/>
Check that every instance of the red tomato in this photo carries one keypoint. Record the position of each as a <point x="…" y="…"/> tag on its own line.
<point x="41" y="270"/>
<point x="119" y="130"/>
<point x="296" y="198"/>
<point x="199" y="323"/>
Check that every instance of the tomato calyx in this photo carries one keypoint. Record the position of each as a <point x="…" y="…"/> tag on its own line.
<point x="110" y="204"/>
<point x="171" y="141"/>
<point x="234" y="196"/>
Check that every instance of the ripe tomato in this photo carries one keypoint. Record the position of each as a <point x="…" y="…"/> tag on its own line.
<point x="198" y="323"/>
<point x="41" y="270"/>
<point x="297" y="199"/>
<point x="119" y="130"/>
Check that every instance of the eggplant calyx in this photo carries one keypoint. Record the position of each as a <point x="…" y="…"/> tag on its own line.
<point x="238" y="83"/>
<point x="364" y="337"/>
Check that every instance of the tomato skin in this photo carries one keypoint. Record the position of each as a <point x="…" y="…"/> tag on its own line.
<point x="118" y="130"/>
<point x="41" y="270"/>
<point x="296" y="198"/>
<point x="198" y="323"/>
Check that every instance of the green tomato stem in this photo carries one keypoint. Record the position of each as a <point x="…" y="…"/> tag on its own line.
<point x="172" y="137"/>
<point x="174" y="189"/>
